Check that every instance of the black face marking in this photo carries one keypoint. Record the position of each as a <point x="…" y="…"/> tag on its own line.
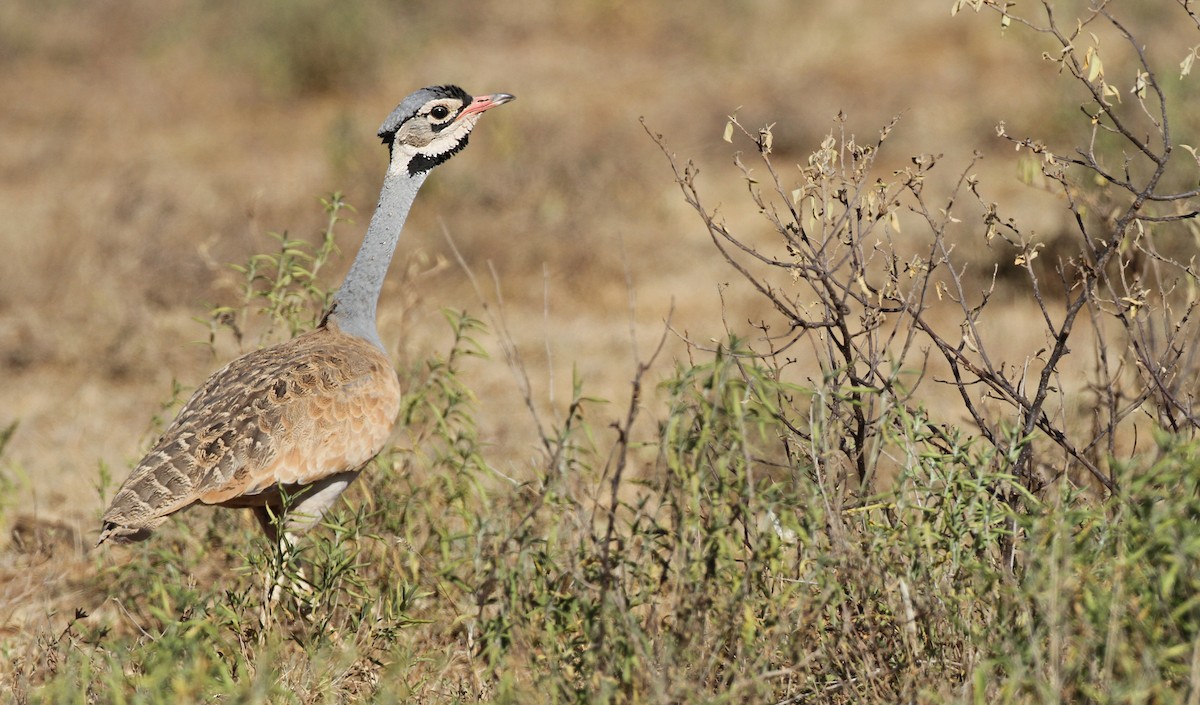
<point x="443" y="113"/>
<point x="453" y="92"/>
<point x="409" y="107"/>
<point x="438" y="128"/>
<point x="421" y="163"/>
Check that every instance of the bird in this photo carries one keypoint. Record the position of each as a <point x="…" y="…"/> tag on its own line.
<point x="285" y="429"/>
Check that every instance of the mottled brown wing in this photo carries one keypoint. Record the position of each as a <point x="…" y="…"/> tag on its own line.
<point x="320" y="404"/>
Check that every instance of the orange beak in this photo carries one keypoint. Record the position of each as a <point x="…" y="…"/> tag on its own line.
<point x="485" y="102"/>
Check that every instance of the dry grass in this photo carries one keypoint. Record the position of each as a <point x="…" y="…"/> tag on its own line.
<point x="148" y="144"/>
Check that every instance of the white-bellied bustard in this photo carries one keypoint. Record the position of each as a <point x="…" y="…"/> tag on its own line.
<point x="299" y="420"/>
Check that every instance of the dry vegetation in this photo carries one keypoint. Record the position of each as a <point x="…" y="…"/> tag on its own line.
<point x="842" y="408"/>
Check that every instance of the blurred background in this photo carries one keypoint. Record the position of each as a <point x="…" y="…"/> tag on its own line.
<point x="147" y="144"/>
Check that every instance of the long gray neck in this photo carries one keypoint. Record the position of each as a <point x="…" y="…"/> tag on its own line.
<point x="355" y="301"/>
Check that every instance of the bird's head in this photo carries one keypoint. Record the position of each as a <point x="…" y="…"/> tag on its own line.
<point x="430" y="125"/>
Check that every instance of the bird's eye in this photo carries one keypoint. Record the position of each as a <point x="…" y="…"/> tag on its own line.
<point x="439" y="112"/>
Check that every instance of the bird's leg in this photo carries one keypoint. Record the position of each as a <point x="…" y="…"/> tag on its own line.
<point x="282" y="575"/>
<point x="267" y="519"/>
<point x="273" y="577"/>
<point x="283" y="524"/>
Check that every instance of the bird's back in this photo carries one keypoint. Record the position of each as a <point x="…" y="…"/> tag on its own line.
<point x="292" y="414"/>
